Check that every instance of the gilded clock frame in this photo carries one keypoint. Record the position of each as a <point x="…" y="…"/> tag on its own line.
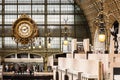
<point x="34" y="32"/>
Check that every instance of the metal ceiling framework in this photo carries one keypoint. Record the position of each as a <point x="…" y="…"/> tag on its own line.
<point x="84" y="32"/>
<point x="90" y="9"/>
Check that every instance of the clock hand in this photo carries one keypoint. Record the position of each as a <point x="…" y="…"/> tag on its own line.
<point x="25" y="28"/>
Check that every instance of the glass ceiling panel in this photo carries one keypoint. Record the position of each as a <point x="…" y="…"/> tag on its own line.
<point x="51" y="15"/>
<point x="38" y="8"/>
<point x="9" y="19"/>
<point x="9" y="42"/>
<point x="68" y="18"/>
<point x="67" y="1"/>
<point x="67" y="8"/>
<point x="53" y="19"/>
<point x="24" y="8"/>
<point x="24" y="1"/>
<point x="10" y="8"/>
<point x="53" y="8"/>
<point x="53" y="1"/>
<point x="38" y="1"/>
<point x="10" y="1"/>
<point x="39" y="19"/>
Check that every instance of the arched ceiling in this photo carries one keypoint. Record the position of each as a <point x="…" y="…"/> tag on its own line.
<point x="91" y="9"/>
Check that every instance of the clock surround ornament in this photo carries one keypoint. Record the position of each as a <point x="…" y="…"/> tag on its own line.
<point x="24" y="30"/>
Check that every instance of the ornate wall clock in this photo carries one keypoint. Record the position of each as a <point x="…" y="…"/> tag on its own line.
<point x="24" y="30"/>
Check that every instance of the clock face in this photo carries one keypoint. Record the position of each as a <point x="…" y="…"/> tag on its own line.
<point x="24" y="30"/>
